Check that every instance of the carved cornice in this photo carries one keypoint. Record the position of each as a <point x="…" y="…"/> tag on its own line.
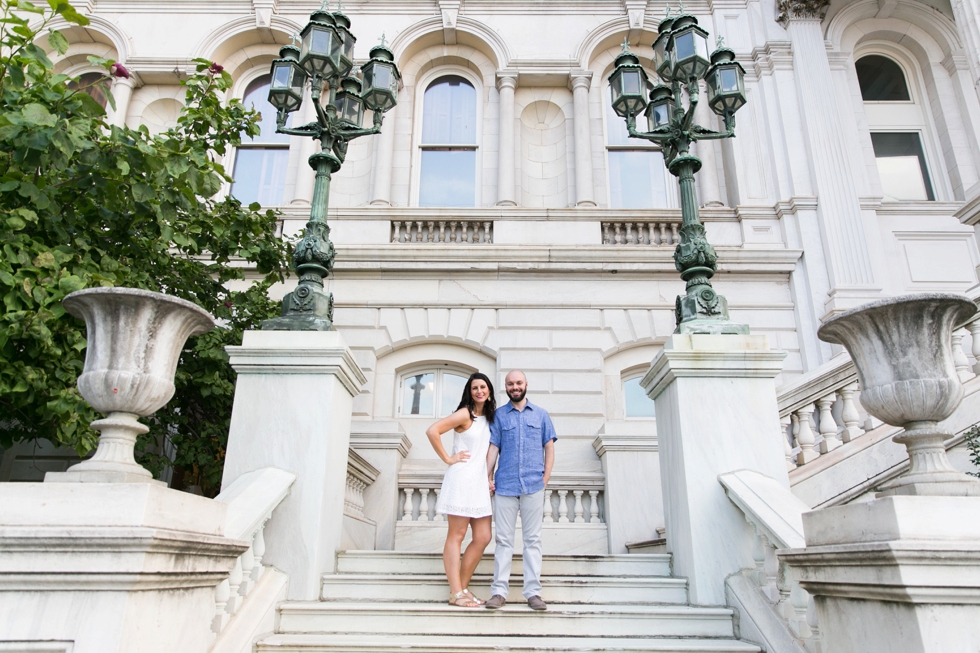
<point x="801" y="10"/>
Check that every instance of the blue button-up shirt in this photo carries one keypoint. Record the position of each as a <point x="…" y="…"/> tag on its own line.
<point x="521" y="436"/>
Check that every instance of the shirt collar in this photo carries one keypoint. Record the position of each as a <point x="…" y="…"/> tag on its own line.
<point x="510" y="406"/>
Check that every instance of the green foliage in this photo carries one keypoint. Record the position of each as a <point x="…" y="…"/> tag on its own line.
<point x="972" y="439"/>
<point x="85" y="204"/>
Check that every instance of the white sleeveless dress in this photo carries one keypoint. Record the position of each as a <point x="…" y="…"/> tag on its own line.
<point x="465" y="491"/>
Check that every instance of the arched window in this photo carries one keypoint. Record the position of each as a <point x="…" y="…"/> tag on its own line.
<point x="448" y="143"/>
<point x="260" y="163"/>
<point x="897" y="122"/>
<point x="637" y="175"/>
<point x="638" y="404"/>
<point x="431" y="392"/>
<point x="94" y="84"/>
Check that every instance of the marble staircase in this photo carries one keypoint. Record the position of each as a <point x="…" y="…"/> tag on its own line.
<point x="381" y="601"/>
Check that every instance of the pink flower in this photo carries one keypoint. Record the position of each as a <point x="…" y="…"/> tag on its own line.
<point x="215" y="68"/>
<point x="118" y="70"/>
<point x="228" y="304"/>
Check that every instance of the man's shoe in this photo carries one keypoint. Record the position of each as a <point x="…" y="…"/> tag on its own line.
<point x="496" y="602"/>
<point x="535" y="603"/>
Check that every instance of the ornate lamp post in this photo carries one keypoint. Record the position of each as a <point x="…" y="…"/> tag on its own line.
<point x="324" y="57"/>
<point x="681" y="60"/>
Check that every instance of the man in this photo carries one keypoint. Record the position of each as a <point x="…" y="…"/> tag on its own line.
<point x="524" y="438"/>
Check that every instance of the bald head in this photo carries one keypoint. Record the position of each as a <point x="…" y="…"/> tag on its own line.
<point x="515" y="383"/>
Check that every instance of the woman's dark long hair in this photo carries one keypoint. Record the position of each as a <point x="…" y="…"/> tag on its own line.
<point x="489" y="407"/>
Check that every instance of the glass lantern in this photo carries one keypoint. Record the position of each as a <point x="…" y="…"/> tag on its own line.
<point x="380" y="80"/>
<point x="320" y="45"/>
<point x="628" y="82"/>
<point x="726" y="83"/>
<point x="661" y="58"/>
<point x="288" y="78"/>
<point x="661" y="104"/>
<point x="346" y="44"/>
<point x="350" y="106"/>
<point x="688" y="50"/>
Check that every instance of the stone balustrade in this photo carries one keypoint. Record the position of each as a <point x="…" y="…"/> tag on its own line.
<point x="360" y="475"/>
<point x="454" y="232"/>
<point x="648" y="232"/>
<point x="251" y="500"/>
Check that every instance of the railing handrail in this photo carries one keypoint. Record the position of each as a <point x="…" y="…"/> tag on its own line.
<point x="772" y="508"/>
<point x="433" y="479"/>
<point x="361" y="469"/>
<point x="251" y="498"/>
<point x="832" y="375"/>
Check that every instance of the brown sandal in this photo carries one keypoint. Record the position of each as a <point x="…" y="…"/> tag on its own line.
<point x="462" y="599"/>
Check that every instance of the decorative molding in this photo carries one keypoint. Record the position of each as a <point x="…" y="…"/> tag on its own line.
<point x="801" y="10"/>
<point x="507" y="79"/>
<point x="264" y="9"/>
<point x="450" y="13"/>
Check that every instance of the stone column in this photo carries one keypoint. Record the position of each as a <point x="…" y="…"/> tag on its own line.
<point x="506" y="192"/>
<point x="966" y="13"/>
<point x="292" y="411"/>
<point x="734" y="374"/>
<point x="305" y="175"/>
<point x="385" y="446"/>
<point x="631" y="465"/>
<point x="383" y="159"/>
<point x="846" y="245"/>
<point x="122" y="93"/>
<point x="580" y="82"/>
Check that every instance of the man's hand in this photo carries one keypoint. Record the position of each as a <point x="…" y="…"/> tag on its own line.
<point x="493" y="487"/>
<point x="547" y="477"/>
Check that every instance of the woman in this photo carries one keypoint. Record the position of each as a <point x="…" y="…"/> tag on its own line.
<point x="465" y="494"/>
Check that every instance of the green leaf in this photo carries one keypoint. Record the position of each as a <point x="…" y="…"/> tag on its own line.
<point x="58" y="41"/>
<point x="8" y="185"/>
<point x="38" y="115"/>
<point x="16" y="223"/>
<point x="143" y="192"/>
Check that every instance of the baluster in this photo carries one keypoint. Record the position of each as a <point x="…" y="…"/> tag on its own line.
<point x="673" y="231"/>
<point x="452" y="235"/>
<point x="619" y="237"/>
<point x="248" y="564"/>
<point x="474" y="232"/>
<point x="397" y="237"/>
<point x="407" y="508"/>
<point x="758" y="573"/>
<point x="828" y="427"/>
<point x="548" y="508"/>
<point x="428" y="237"/>
<point x="221" y="595"/>
<point x="629" y="234"/>
<point x="664" y="236"/>
<point x="974" y="328"/>
<point x="234" y="581"/>
<point x="593" y="506"/>
<point x="424" y="504"/>
<point x="785" y="422"/>
<point x="849" y="413"/>
<point x="960" y="360"/>
<point x="562" y="507"/>
<point x="442" y="231"/>
<point x="578" y="506"/>
<point x="805" y="436"/>
<point x="258" y="552"/>
<point x="606" y="237"/>
<point x="438" y="516"/>
<point x="486" y="233"/>
<point x="418" y="232"/>
<point x="643" y="230"/>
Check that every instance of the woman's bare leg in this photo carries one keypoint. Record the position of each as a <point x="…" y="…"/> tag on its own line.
<point x="450" y="553"/>
<point x="481" y="538"/>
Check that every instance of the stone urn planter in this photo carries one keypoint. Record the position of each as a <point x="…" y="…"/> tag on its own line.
<point x="901" y="349"/>
<point x="134" y="341"/>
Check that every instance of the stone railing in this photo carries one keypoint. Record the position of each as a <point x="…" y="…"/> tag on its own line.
<point x="568" y="500"/>
<point x="649" y="232"/>
<point x="776" y="518"/>
<point x="454" y="232"/>
<point x="251" y="500"/>
<point x="360" y="474"/>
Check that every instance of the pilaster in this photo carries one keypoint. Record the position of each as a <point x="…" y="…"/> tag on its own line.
<point x="580" y="81"/>
<point x="506" y="190"/>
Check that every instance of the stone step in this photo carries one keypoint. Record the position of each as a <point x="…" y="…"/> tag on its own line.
<point x="555" y="589"/>
<point x="401" y="562"/>
<point x="514" y="619"/>
<point x="509" y="644"/>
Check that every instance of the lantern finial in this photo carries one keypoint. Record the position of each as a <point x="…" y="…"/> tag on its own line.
<point x="720" y="42"/>
<point x="625" y="45"/>
<point x="325" y="5"/>
<point x="680" y="6"/>
<point x="294" y="38"/>
<point x="667" y="11"/>
<point x="383" y="40"/>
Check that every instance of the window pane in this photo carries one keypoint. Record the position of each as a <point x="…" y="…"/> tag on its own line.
<point x="881" y="79"/>
<point x="636" y="180"/>
<point x="448" y="178"/>
<point x="449" y="112"/>
<point x="638" y="404"/>
<point x="95" y="90"/>
<point x="616" y="126"/>
<point x="452" y="392"/>
<point x="260" y="175"/>
<point x="257" y="97"/>
<point x="902" y="166"/>
<point x="417" y="394"/>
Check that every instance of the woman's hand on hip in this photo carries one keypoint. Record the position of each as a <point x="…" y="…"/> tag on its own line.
<point x="460" y="457"/>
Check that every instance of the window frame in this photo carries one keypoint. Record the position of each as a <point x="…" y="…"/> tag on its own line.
<point x="631" y="375"/>
<point x="436" y="368"/>
<point x="421" y="86"/>
<point x="672" y="192"/>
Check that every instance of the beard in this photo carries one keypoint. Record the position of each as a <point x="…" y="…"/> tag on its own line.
<point x="516" y="395"/>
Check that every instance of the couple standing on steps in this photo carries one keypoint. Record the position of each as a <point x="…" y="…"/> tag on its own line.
<point x="522" y="436"/>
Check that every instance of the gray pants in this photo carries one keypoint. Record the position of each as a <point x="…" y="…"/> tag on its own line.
<point x="531" y="507"/>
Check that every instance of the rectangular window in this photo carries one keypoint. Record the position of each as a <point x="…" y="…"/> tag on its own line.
<point x="636" y="179"/>
<point x="448" y="178"/>
<point x="260" y="175"/>
<point x="902" y="166"/>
